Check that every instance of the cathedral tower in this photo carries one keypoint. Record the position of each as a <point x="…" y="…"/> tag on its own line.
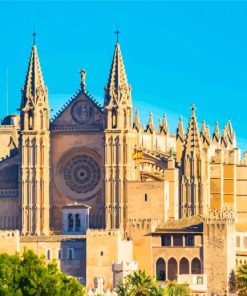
<point x="34" y="151"/>
<point x="194" y="185"/>
<point x="118" y="109"/>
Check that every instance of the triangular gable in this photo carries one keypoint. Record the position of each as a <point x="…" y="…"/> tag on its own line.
<point x="80" y="113"/>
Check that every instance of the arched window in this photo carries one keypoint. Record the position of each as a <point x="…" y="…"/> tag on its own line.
<point x="160" y="270"/>
<point x="114" y="118"/>
<point x="70" y="222"/>
<point x="77" y="222"/>
<point x="196" y="266"/>
<point x="125" y="119"/>
<point x="172" y="269"/>
<point x="184" y="266"/>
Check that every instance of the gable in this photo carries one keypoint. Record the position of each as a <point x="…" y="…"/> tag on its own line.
<point x="81" y="113"/>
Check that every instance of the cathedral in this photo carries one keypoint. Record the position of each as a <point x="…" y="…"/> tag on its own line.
<point x="105" y="195"/>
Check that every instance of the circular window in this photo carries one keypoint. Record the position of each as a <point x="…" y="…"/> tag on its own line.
<point x="81" y="173"/>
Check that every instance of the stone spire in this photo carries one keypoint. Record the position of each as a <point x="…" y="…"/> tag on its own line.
<point x="225" y="138"/>
<point x="34" y="87"/>
<point x="216" y="134"/>
<point x="180" y="130"/>
<point x="230" y="131"/>
<point x="205" y="134"/>
<point x="192" y="141"/>
<point x="164" y="126"/>
<point x="117" y="83"/>
<point x="208" y="137"/>
<point x="137" y="122"/>
<point x="150" y="126"/>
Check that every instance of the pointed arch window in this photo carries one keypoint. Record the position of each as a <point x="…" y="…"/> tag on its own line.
<point x="114" y="118"/>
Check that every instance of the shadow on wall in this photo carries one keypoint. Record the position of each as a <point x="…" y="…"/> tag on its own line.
<point x="72" y="257"/>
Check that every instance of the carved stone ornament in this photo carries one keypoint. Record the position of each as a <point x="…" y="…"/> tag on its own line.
<point x="81" y="174"/>
<point x="82" y="111"/>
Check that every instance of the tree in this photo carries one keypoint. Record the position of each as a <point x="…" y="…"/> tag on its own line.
<point x="241" y="280"/>
<point x="140" y="284"/>
<point x="175" y="289"/>
<point x="30" y="275"/>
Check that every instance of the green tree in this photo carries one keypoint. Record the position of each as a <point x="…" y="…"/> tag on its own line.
<point x="30" y="275"/>
<point x="175" y="289"/>
<point x="241" y="280"/>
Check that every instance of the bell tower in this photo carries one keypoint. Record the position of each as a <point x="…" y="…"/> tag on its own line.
<point x="34" y="151"/>
<point x="118" y="142"/>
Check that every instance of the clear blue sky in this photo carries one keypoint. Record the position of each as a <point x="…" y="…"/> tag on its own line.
<point x="175" y="53"/>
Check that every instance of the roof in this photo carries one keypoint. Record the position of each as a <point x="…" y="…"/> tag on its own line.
<point x="185" y="224"/>
<point x="72" y="99"/>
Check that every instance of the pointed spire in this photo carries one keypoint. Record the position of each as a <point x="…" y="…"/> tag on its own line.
<point x="208" y="137"/>
<point x="34" y="79"/>
<point x="137" y="123"/>
<point x="150" y="127"/>
<point x="192" y="141"/>
<point x="205" y="134"/>
<point x="164" y="126"/>
<point x="225" y="135"/>
<point x="216" y="134"/>
<point x="230" y="131"/>
<point x="180" y="130"/>
<point x="117" y="82"/>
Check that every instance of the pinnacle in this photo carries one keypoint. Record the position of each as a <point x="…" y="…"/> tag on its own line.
<point x="192" y="137"/>
<point x="117" y="78"/>
<point x="137" y="123"/>
<point x="34" y="78"/>
<point x="150" y="126"/>
<point x="180" y="129"/>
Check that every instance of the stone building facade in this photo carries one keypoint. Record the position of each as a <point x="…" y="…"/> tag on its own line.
<point x="105" y="195"/>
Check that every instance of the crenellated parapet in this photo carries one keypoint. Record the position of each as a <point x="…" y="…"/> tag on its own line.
<point x="143" y="224"/>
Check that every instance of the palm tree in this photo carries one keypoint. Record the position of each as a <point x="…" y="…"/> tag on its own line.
<point x="140" y="284"/>
<point x="241" y="280"/>
<point x="175" y="289"/>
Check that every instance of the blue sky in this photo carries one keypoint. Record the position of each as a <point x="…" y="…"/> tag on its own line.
<point x="175" y="53"/>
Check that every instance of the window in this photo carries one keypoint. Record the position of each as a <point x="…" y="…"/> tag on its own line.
<point x="245" y="242"/>
<point x="70" y="222"/>
<point x="48" y="254"/>
<point x="70" y="254"/>
<point x="77" y="222"/>
<point x="166" y="240"/>
<point x="145" y="197"/>
<point x="190" y="241"/>
<point x="114" y="118"/>
<point x="59" y="254"/>
<point x="200" y="280"/>
<point x="238" y="241"/>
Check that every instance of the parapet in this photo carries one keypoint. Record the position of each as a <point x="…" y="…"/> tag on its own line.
<point x="103" y="232"/>
<point x="143" y="224"/>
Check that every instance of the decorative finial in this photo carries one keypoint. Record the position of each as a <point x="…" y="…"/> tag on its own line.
<point x="117" y="32"/>
<point x="34" y="37"/>
<point x="193" y="108"/>
<point x="83" y="79"/>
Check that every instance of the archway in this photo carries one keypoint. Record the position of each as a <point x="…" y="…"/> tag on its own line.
<point x="196" y="266"/>
<point x="184" y="266"/>
<point x="172" y="269"/>
<point x="160" y="269"/>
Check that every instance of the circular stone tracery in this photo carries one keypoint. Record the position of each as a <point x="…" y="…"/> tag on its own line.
<point x="81" y="174"/>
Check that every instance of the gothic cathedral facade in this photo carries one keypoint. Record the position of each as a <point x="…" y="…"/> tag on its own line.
<point x="97" y="182"/>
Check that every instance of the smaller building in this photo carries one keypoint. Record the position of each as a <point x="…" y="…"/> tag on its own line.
<point x="75" y="219"/>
